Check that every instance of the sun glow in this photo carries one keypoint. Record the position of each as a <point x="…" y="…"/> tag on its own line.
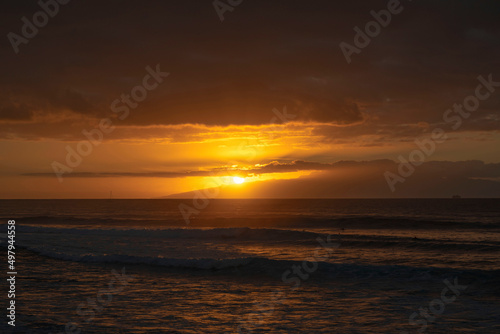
<point x="238" y="180"/>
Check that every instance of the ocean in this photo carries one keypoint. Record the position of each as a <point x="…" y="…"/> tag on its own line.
<point x="254" y="266"/>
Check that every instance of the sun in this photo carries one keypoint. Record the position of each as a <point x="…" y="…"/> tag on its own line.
<point x="238" y="180"/>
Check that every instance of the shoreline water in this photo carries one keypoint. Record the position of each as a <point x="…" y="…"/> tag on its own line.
<point x="210" y="279"/>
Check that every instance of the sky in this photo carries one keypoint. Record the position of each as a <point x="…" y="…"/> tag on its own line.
<point x="259" y="99"/>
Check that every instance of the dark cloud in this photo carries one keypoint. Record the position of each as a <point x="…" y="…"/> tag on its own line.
<point x="445" y="169"/>
<point x="263" y="56"/>
<point x="352" y="179"/>
<point x="125" y="174"/>
<point x="15" y="113"/>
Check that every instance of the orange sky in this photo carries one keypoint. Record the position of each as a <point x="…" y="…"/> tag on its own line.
<point x="174" y="97"/>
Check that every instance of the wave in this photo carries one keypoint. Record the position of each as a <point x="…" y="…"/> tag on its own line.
<point x="176" y="233"/>
<point x="214" y="249"/>
<point x="203" y="263"/>
<point x="264" y="235"/>
<point x="256" y="265"/>
<point x="282" y="221"/>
